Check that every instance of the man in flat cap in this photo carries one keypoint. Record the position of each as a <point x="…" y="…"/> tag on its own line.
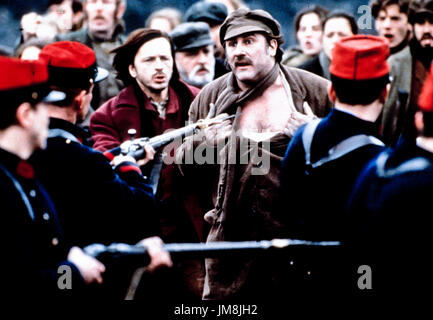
<point x="35" y="255"/>
<point x="389" y="209"/>
<point x="96" y="204"/>
<point x="194" y="56"/>
<point x="269" y="102"/>
<point x="333" y="151"/>
<point x="214" y="15"/>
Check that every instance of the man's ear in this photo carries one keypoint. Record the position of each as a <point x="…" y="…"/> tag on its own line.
<point x="419" y="121"/>
<point x="273" y="46"/>
<point x="78" y="100"/>
<point x="385" y="92"/>
<point x="132" y="71"/>
<point x="24" y="115"/>
<point x="331" y="93"/>
<point x="121" y="8"/>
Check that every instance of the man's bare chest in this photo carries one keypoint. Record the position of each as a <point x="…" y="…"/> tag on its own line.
<point x="268" y="113"/>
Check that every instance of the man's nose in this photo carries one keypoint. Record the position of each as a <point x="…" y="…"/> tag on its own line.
<point x="202" y="57"/>
<point x="159" y="65"/>
<point x="387" y="23"/>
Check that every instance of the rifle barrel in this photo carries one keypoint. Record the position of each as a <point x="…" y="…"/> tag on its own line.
<point x="207" y="249"/>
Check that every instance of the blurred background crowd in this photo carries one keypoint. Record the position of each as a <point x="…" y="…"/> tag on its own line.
<point x="139" y="10"/>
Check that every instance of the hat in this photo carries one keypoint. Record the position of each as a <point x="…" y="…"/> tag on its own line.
<point x="360" y="57"/>
<point x="190" y="35"/>
<point x="213" y="13"/>
<point x="425" y="100"/>
<point x="420" y="8"/>
<point x="22" y="76"/>
<point x="72" y="64"/>
<point x="245" y="21"/>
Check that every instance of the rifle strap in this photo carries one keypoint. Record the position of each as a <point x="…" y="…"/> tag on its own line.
<point x="20" y="190"/>
<point x="341" y="149"/>
<point x="412" y="165"/>
<point x="60" y="133"/>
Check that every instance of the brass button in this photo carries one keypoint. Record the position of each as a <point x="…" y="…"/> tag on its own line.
<point x="32" y="193"/>
<point x="46" y="216"/>
<point x="55" y="241"/>
<point x="68" y="141"/>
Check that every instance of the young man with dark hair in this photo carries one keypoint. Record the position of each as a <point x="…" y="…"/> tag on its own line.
<point x="337" y="25"/>
<point x="309" y="32"/>
<point x="35" y="248"/>
<point x="389" y="209"/>
<point x="333" y="151"/>
<point x="153" y="101"/>
<point x="392" y="22"/>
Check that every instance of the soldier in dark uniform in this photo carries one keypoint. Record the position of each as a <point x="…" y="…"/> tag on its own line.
<point x="34" y="255"/>
<point x="95" y="202"/>
<point x="325" y="157"/>
<point x="389" y="209"/>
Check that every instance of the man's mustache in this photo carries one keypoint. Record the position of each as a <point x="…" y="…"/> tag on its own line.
<point x="242" y="60"/>
<point x="99" y="17"/>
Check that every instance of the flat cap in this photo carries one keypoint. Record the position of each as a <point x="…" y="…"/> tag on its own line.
<point x="71" y="64"/>
<point x="360" y="57"/>
<point x="420" y="9"/>
<point x="190" y="35"/>
<point x="245" y="21"/>
<point x="31" y="76"/>
<point x="213" y="13"/>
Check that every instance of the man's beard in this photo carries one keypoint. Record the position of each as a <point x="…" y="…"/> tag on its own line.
<point x="423" y="54"/>
<point x="199" y="81"/>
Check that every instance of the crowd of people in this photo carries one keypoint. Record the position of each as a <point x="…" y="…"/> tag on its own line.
<point x="328" y="140"/>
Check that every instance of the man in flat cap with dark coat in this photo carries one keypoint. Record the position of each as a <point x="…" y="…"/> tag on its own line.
<point x="212" y="13"/>
<point x="269" y="102"/>
<point x="333" y="151"/>
<point x="194" y="56"/>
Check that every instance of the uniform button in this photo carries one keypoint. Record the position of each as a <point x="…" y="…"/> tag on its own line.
<point x="291" y="263"/>
<point x="309" y="273"/>
<point x="32" y="193"/>
<point x="55" y="241"/>
<point x="46" y="216"/>
<point x="68" y="141"/>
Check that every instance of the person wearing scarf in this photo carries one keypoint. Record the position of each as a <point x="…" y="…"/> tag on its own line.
<point x="269" y="101"/>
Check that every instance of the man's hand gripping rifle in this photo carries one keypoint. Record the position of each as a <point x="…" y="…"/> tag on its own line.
<point x="135" y="147"/>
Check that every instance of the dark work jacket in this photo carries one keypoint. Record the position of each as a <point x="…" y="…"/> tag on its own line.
<point x="313" y="65"/>
<point x="94" y="202"/>
<point x="33" y="248"/>
<point x="390" y="222"/>
<point x="312" y="206"/>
